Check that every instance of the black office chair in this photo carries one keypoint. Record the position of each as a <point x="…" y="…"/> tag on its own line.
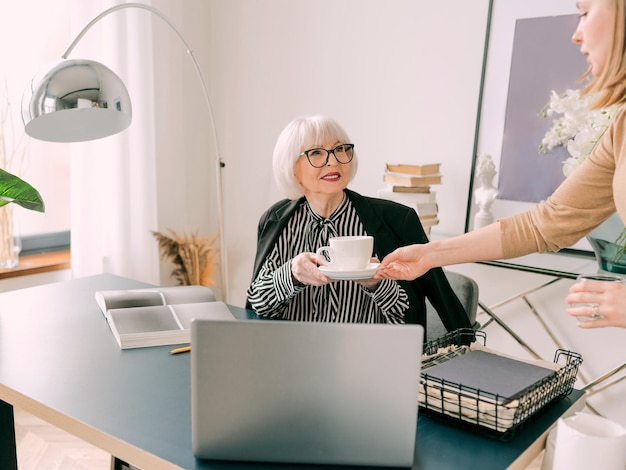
<point x="466" y="290"/>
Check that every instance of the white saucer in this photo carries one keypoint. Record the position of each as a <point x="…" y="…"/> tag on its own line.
<point x="356" y="274"/>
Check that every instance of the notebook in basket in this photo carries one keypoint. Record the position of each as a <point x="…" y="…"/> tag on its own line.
<point x="469" y="384"/>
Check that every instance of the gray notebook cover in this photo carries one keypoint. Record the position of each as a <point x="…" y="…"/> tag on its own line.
<point x="506" y="377"/>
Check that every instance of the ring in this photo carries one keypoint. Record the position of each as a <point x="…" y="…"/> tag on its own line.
<point x="595" y="312"/>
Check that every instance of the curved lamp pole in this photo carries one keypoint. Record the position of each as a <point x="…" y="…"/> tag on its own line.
<point x="60" y="110"/>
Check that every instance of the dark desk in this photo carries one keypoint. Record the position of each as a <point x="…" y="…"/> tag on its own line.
<point x="60" y="362"/>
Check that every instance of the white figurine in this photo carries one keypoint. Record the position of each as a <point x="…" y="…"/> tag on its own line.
<point x="486" y="193"/>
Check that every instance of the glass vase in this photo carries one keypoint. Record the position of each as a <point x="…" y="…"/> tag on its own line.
<point x="609" y="245"/>
<point x="10" y="243"/>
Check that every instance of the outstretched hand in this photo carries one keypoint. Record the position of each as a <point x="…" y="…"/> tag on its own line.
<point x="405" y="263"/>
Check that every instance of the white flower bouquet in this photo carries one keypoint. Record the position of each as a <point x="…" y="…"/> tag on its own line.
<point x="578" y="128"/>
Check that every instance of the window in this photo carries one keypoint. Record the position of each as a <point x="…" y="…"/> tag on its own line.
<point x="32" y="43"/>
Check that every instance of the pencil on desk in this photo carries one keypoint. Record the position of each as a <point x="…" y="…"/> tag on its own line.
<point x="180" y="350"/>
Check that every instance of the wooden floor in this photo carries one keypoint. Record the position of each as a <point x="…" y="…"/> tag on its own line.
<point x="41" y="446"/>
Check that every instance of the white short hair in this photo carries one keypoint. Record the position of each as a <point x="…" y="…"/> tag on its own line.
<point x="299" y="135"/>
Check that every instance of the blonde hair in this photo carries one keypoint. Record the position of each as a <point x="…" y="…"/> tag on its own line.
<point x="299" y="135"/>
<point x="611" y="83"/>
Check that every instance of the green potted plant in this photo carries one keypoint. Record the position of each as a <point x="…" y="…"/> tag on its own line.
<point x="15" y="190"/>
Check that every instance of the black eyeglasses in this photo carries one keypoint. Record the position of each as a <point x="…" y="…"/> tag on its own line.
<point x="319" y="157"/>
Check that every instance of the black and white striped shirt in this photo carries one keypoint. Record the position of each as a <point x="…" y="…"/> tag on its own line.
<point x="273" y="294"/>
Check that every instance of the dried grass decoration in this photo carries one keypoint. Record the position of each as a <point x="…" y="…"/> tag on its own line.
<point x="195" y="257"/>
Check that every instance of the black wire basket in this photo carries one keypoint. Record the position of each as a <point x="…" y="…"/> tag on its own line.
<point x="480" y="410"/>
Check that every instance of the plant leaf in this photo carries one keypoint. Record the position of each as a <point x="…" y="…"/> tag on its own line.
<point x="15" y="190"/>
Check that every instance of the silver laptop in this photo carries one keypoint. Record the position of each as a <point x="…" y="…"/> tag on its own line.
<point x="304" y="392"/>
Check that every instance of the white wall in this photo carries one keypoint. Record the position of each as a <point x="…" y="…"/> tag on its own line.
<point x="401" y="76"/>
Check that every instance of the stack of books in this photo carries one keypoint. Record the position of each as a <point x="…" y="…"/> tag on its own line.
<point x="410" y="185"/>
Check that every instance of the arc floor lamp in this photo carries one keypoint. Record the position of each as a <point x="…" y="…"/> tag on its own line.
<point x="80" y="100"/>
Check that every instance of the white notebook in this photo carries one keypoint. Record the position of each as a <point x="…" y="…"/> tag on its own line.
<point x="159" y="325"/>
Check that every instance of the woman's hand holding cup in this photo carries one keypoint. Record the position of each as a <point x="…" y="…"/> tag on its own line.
<point x="598" y="300"/>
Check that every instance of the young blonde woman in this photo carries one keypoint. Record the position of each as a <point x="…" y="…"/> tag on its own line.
<point x="585" y="199"/>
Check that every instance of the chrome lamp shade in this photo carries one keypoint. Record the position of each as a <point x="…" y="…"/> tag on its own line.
<point x="80" y="100"/>
<point x="76" y="101"/>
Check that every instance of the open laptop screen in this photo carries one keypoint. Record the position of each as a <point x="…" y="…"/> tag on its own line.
<point x="303" y="392"/>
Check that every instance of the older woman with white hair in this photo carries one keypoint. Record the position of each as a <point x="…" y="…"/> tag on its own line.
<point x="314" y="161"/>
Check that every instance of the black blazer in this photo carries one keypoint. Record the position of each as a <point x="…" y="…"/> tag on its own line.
<point x="392" y="225"/>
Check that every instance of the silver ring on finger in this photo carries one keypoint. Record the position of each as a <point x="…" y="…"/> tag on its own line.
<point x="595" y="312"/>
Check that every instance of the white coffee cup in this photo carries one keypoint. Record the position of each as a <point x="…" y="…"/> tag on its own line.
<point x="347" y="253"/>
<point x="596" y="277"/>
<point x="585" y="441"/>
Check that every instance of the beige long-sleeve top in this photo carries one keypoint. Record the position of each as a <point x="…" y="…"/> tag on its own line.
<point x="585" y="199"/>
